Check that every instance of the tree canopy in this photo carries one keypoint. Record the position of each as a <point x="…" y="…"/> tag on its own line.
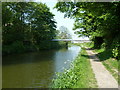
<point x="97" y="20"/>
<point x="26" y="23"/>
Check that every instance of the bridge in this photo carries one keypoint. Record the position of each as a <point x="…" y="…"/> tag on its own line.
<point x="72" y="40"/>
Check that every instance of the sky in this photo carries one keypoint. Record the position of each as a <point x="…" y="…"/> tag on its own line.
<point x="59" y="18"/>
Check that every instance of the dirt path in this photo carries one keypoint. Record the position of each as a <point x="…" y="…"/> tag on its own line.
<point x="103" y="77"/>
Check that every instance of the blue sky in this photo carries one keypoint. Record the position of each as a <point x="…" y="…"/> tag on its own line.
<point x="59" y="17"/>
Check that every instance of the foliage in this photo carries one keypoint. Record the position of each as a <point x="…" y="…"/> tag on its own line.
<point x="64" y="33"/>
<point x="95" y="19"/>
<point x="15" y="47"/>
<point x="76" y="76"/>
<point x="27" y="24"/>
<point x="115" y="52"/>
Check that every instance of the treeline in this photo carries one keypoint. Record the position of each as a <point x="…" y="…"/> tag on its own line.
<point x="27" y="26"/>
<point x="97" y="20"/>
<point x="63" y="33"/>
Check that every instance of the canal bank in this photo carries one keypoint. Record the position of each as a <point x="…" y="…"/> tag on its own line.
<point x="80" y="74"/>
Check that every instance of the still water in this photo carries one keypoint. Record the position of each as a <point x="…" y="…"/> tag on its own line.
<point x="36" y="69"/>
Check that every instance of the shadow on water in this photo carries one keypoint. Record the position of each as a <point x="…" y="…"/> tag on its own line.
<point x="31" y="57"/>
<point x="35" y="69"/>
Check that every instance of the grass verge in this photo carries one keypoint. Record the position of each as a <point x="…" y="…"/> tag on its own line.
<point x="80" y="74"/>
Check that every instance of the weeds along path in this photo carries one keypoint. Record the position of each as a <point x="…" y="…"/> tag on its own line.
<point x="103" y="77"/>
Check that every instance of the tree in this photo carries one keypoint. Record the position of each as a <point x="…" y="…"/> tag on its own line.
<point x="64" y="33"/>
<point x="27" y="22"/>
<point x="99" y="20"/>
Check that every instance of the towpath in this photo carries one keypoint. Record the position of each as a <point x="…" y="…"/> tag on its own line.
<point x="103" y="77"/>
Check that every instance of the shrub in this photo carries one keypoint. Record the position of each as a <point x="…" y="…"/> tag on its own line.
<point x="67" y="79"/>
<point x="115" y="52"/>
<point x="15" y="47"/>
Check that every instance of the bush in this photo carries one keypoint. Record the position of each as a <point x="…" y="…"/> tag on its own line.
<point x="115" y="48"/>
<point x="18" y="47"/>
<point x="115" y="52"/>
<point x="15" y="47"/>
<point x="67" y="79"/>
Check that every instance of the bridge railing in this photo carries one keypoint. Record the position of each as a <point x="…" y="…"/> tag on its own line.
<point x="70" y="40"/>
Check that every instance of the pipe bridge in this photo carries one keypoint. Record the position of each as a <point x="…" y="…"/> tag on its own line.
<point x="72" y="40"/>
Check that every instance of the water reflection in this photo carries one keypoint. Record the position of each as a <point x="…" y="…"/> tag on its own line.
<point x="64" y="57"/>
<point x="36" y="69"/>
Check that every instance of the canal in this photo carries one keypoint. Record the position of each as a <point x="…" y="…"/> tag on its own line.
<point x="36" y="69"/>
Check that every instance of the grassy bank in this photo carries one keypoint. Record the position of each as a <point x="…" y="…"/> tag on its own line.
<point x="80" y="74"/>
<point x="105" y="57"/>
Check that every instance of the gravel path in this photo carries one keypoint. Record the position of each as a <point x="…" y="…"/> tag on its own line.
<point x="103" y="77"/>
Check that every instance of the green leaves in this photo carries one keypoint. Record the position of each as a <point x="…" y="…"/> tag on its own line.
<point x="64" y="33"/>
<point x="27" y="21"/>
<point x="97" y="19"/>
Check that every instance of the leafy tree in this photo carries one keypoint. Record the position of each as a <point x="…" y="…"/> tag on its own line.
<point x="100" y="21"/>
<point x="64" y="33"/>
<point x="27" y="24"/>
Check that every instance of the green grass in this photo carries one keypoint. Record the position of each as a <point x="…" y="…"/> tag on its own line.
<point x="90" y="45"/>
<point x="105" y="57"/>
<point x="80" y="74"/>
<point x="87" y="77"/>
<point x="119" y="72"/>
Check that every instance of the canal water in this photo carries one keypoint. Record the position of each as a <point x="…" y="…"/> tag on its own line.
<point x="36" y="69"/>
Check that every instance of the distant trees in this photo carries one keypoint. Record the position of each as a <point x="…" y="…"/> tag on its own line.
<point x="26" y="26"/>
<point x="64" y="33"/>
<point x="100" y="21"/>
